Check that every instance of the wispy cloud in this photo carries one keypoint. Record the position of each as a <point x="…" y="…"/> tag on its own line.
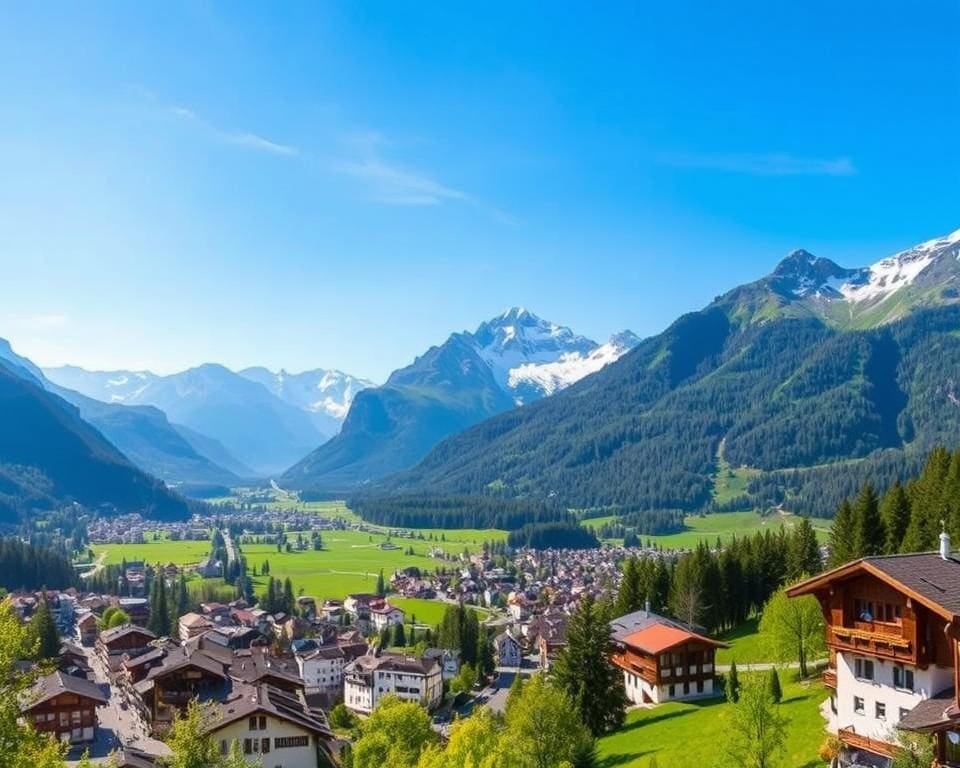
<point x="768" y="164"/>
<point x="239" y="138"/>
<point x="391" y="183"/>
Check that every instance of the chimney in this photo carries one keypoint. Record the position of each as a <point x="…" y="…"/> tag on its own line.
<point x="646" y="606"/>
<point x="944" y="542"/>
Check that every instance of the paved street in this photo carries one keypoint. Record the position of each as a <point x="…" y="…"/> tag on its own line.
<point x="119" y="725"/>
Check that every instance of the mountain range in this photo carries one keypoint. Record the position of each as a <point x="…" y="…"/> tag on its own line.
<point x="511" y="360"/>
<point x="801" y="384"/>
<point x="50" y="455"/>
<point x="252" y="423"/>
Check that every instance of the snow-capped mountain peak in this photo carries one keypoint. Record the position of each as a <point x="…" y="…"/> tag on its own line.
<point x="531" y="357"/>
<point x="531" y="380"/>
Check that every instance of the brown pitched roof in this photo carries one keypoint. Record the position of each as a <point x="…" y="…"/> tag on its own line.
<point x="930" y="579"/>
<point x="932" y="713"/>
<point x="53" y="685"/>
<point x="246" y="700"/>
<point x="178" y="658"/>
<point x="109" y="635"/>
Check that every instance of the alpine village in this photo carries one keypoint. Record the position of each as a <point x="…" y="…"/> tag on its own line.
<point x="504" y="385"/>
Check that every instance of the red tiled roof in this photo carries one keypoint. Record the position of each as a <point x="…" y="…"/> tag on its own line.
<point x="661" y="637"/>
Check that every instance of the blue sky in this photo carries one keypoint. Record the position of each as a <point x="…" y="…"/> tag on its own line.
<point x="342" y="185"/>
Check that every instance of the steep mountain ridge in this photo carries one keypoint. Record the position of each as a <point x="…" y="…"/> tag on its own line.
<point x="141" y="433"/>
<point x="49" y="455"/>
<point x="511" y="359"/>
<point x="768" y="369"/>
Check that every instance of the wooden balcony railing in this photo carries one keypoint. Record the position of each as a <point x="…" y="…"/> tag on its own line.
<point x="830" y="678"/>
<point x="886" y="644"/>
<point x="854" y="740"/>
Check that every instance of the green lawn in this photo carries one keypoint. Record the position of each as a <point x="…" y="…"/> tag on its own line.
<point x="163" y="551"/>
<point x="680" y="735"/>
<point x="351" y="560"/>
<point x="746" y="645"/>
<point x="728" y="524"/>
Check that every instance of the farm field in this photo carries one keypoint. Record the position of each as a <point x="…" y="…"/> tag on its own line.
<point x="162" y="551"/>
<point x="351" y="560"/>
<point x="728" y="524"/>
<point x="683" y="734"/>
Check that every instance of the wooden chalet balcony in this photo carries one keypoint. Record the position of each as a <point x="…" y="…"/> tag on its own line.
<point x="830" y="678"/>
<point x="874" y="639"/>
<point x="854" y="740"/>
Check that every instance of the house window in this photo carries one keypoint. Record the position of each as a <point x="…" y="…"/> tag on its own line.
<point x="881" y="710"/>
<point x="864" y="610"/>
<point x="253" y="724"/>
<point x="863" y="669"/>
<point x="902" y="678"/>
<point x="263" y="723"/>
<point x="247" y="746"/>
<point x="672" y="691"/>
<point x="265" y="744"/>
<point x="686" y="688"/>
<point x="858" y="707"/>
<point x="699" y="686"/>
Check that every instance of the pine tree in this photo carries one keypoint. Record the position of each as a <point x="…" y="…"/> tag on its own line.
<point x="485" y="661"/>
<point x="842" y="535"/>
<point x="289" y="601"/>
<point x="584" y="671"/>
<point x="926" y="507"/>
<point x="803" y="551"/>
<point x="44" y="631"/>
<point x="381" y="585"/>
<point x="869" y="537"/>
<point x="895" y="513"/>
<point x="629" y="598"/>
<point x="732" y="686"/>
<point x="399" y="635"/>
<point x="773" y="685"/>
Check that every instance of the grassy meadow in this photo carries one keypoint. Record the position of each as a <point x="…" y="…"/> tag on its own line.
<point x="683" y="734"/>
<point x="350" y="560"/>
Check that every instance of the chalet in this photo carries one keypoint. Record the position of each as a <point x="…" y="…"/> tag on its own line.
<point x="549" y="632"/>
<point x="183" y="675"/>
<point x="661" y="659"/>
<point x="358" y="605"/>
<point x="507" y="650"/>
<point x="259" y="666"/>
<point x="127" y="640"/>
<point x="87" y="629"/>
<point x="64" y="706"/>
<point x="370" y="678"/>
<point x="137" y="608"/>
<point x="193" y="625"/>
<point x="893" y="632"/>
<point x="386" y="615"/>
<point x="273" y="727"/>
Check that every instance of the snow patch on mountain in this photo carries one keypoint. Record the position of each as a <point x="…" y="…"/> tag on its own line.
<point x="531" y="358"/>
<point x="319" y="391"/>
<point x="105" y="386"/>
<point x="551" y="377"/>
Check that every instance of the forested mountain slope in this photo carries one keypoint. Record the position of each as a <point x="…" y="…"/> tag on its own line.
<point x="813" y="405"/>
<point x="50" y="455"/>
<point x="514" y="358"/>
